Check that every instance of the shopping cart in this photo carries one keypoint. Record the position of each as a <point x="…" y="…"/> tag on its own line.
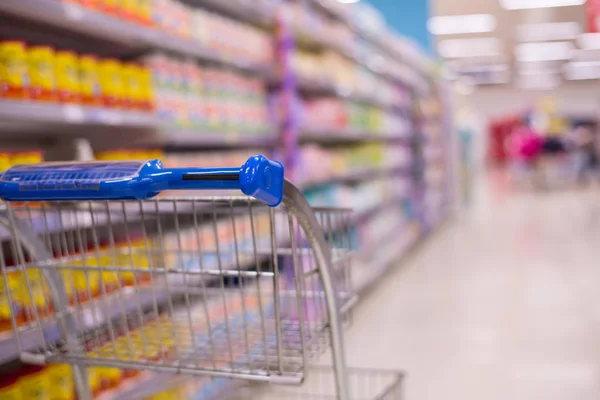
<point x="102" y="273"/>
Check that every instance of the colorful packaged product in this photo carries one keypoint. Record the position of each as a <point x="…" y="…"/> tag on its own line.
<point x="40" y="68"/>
<point x="14" y="79"/>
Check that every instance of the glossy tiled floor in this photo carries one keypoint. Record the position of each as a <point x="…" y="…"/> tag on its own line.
<point x="503" y="303"/>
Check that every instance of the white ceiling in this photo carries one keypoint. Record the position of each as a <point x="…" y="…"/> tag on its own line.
<point x="506" y="36"/>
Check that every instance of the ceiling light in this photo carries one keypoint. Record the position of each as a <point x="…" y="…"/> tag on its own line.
<point x="544" y="51"/>
<point x="462" y="48"/>
<point x="471" y="69"/>
<point x="589" y="41"/>
<point x="582" y="70"/>
<point x="348" y="1"/>
<point x="548" y="31"/>
<point x="575" y="75"/>
<point x="583" y="64"/>
<point x="545" y="71"/>
<point x="457" y="24"/>
<point x="586" y="55"/>
<point x="539" y="82"/>
<point x="529" y="4"/>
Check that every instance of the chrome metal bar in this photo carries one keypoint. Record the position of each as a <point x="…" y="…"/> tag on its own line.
<point x="297" y="204"/>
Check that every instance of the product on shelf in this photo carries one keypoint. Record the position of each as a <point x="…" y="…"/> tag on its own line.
<point x="89" y="80"/>
<point x="337" y="115"/>
<point x="40" y="73"/>
<point x="318" y="164"/>
<point x="9" y="386"/>
<point x="129" y="154"/>
<point x="34" y="382"/>
<point x="13" y="69"/>
<point x="67" y="76"/>
<point x="111" y="82"/>
<point x="136" y="11"/>
<point x="347" y="77"/>
<point x="309" y="24"/>
<point x="191" y="96"/>
<point x="40" y="68"/>
<point x="8" y="158"/>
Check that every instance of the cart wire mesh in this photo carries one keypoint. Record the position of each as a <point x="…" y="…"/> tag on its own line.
<point x="365" y="384"/>
<point x="225" y="287"/>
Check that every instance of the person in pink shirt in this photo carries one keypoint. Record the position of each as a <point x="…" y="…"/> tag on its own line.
<point x="526" y="145"/>
<point x="524" y="148"/>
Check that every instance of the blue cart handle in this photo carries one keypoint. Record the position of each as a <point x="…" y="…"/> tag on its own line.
<point x="124" y="180"/>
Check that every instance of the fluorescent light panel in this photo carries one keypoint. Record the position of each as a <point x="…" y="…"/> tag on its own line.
<point x="530" y="4"/>
<point x="582" y="70"/>
<point x="460" y="24"/>
<point x="464" y="48"/>
<point x="539" y="82"/>
<point x="548" y="31"/>
<point x="544" y="51"/>
<point x="589" y="41"/>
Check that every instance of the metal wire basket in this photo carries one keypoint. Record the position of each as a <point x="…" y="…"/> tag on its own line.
<point x="224" y="287"/>
<point x="364" y="384"/>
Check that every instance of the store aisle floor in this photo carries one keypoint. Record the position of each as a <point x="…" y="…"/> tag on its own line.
<point x="501" y="304"/>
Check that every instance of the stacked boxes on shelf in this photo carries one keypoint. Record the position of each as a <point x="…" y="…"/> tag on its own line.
<point x="331" y="115"/>
<point x="209" y="98"/>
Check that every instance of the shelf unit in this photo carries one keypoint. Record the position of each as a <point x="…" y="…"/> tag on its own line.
<point x="57" y="115"/>
<point x="402" y="68"/>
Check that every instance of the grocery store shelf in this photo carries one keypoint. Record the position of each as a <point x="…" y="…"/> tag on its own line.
<point x="324" y="87"/>
<point x="24" y="112"/>
<point x="359" y="175"/>
<point x="190" y="139"/>
<point x="250" y="11"/>
<point x="334" y="136"/>
<point x="87" y="317"/>
<point x="68" y="16"/>
<point x="144" y="385"/>
<point x="336" y="12"/>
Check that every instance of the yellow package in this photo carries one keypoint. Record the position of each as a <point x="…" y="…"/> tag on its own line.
<point x="27" y="157"/>
<point x="147" y="89"/>
<point x="145" y="11"/>
<point x="111" y="82"/>
<point x="89" y="80"/>
<point x="94" y="375"/>
<point x="131" y="9"/>
<point x="110" y="376"/>
<point x="13" y="69"/>
<point x="82" y="283"/>
<point x="34" y="292"/>
<point x="125" y="260"/>
<point x="61" y="382"/>
<point x="13" y="282"/>
<point x="5" y="161"/>
<point x="114" y="155"/>
<point x="10" y="389"/>
<point x="40" y="68"/>
<point x="132" y="85"/>
<point x="35" y="384"/>
<point x="67" y="76"/>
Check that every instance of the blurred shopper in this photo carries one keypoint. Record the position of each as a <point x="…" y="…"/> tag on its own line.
<point x="586" y="158"/>
<point x="554" y="168"/>
<point x="525" y="146"/>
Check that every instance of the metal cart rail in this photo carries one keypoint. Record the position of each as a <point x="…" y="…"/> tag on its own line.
<point x="222" y="287"/>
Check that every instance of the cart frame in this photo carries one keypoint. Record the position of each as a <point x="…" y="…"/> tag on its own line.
<point x="296" y="206"/>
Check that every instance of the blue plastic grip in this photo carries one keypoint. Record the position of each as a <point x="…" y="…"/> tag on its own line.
<point x="124" y="180"/>
<point x="263" y="179"/>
